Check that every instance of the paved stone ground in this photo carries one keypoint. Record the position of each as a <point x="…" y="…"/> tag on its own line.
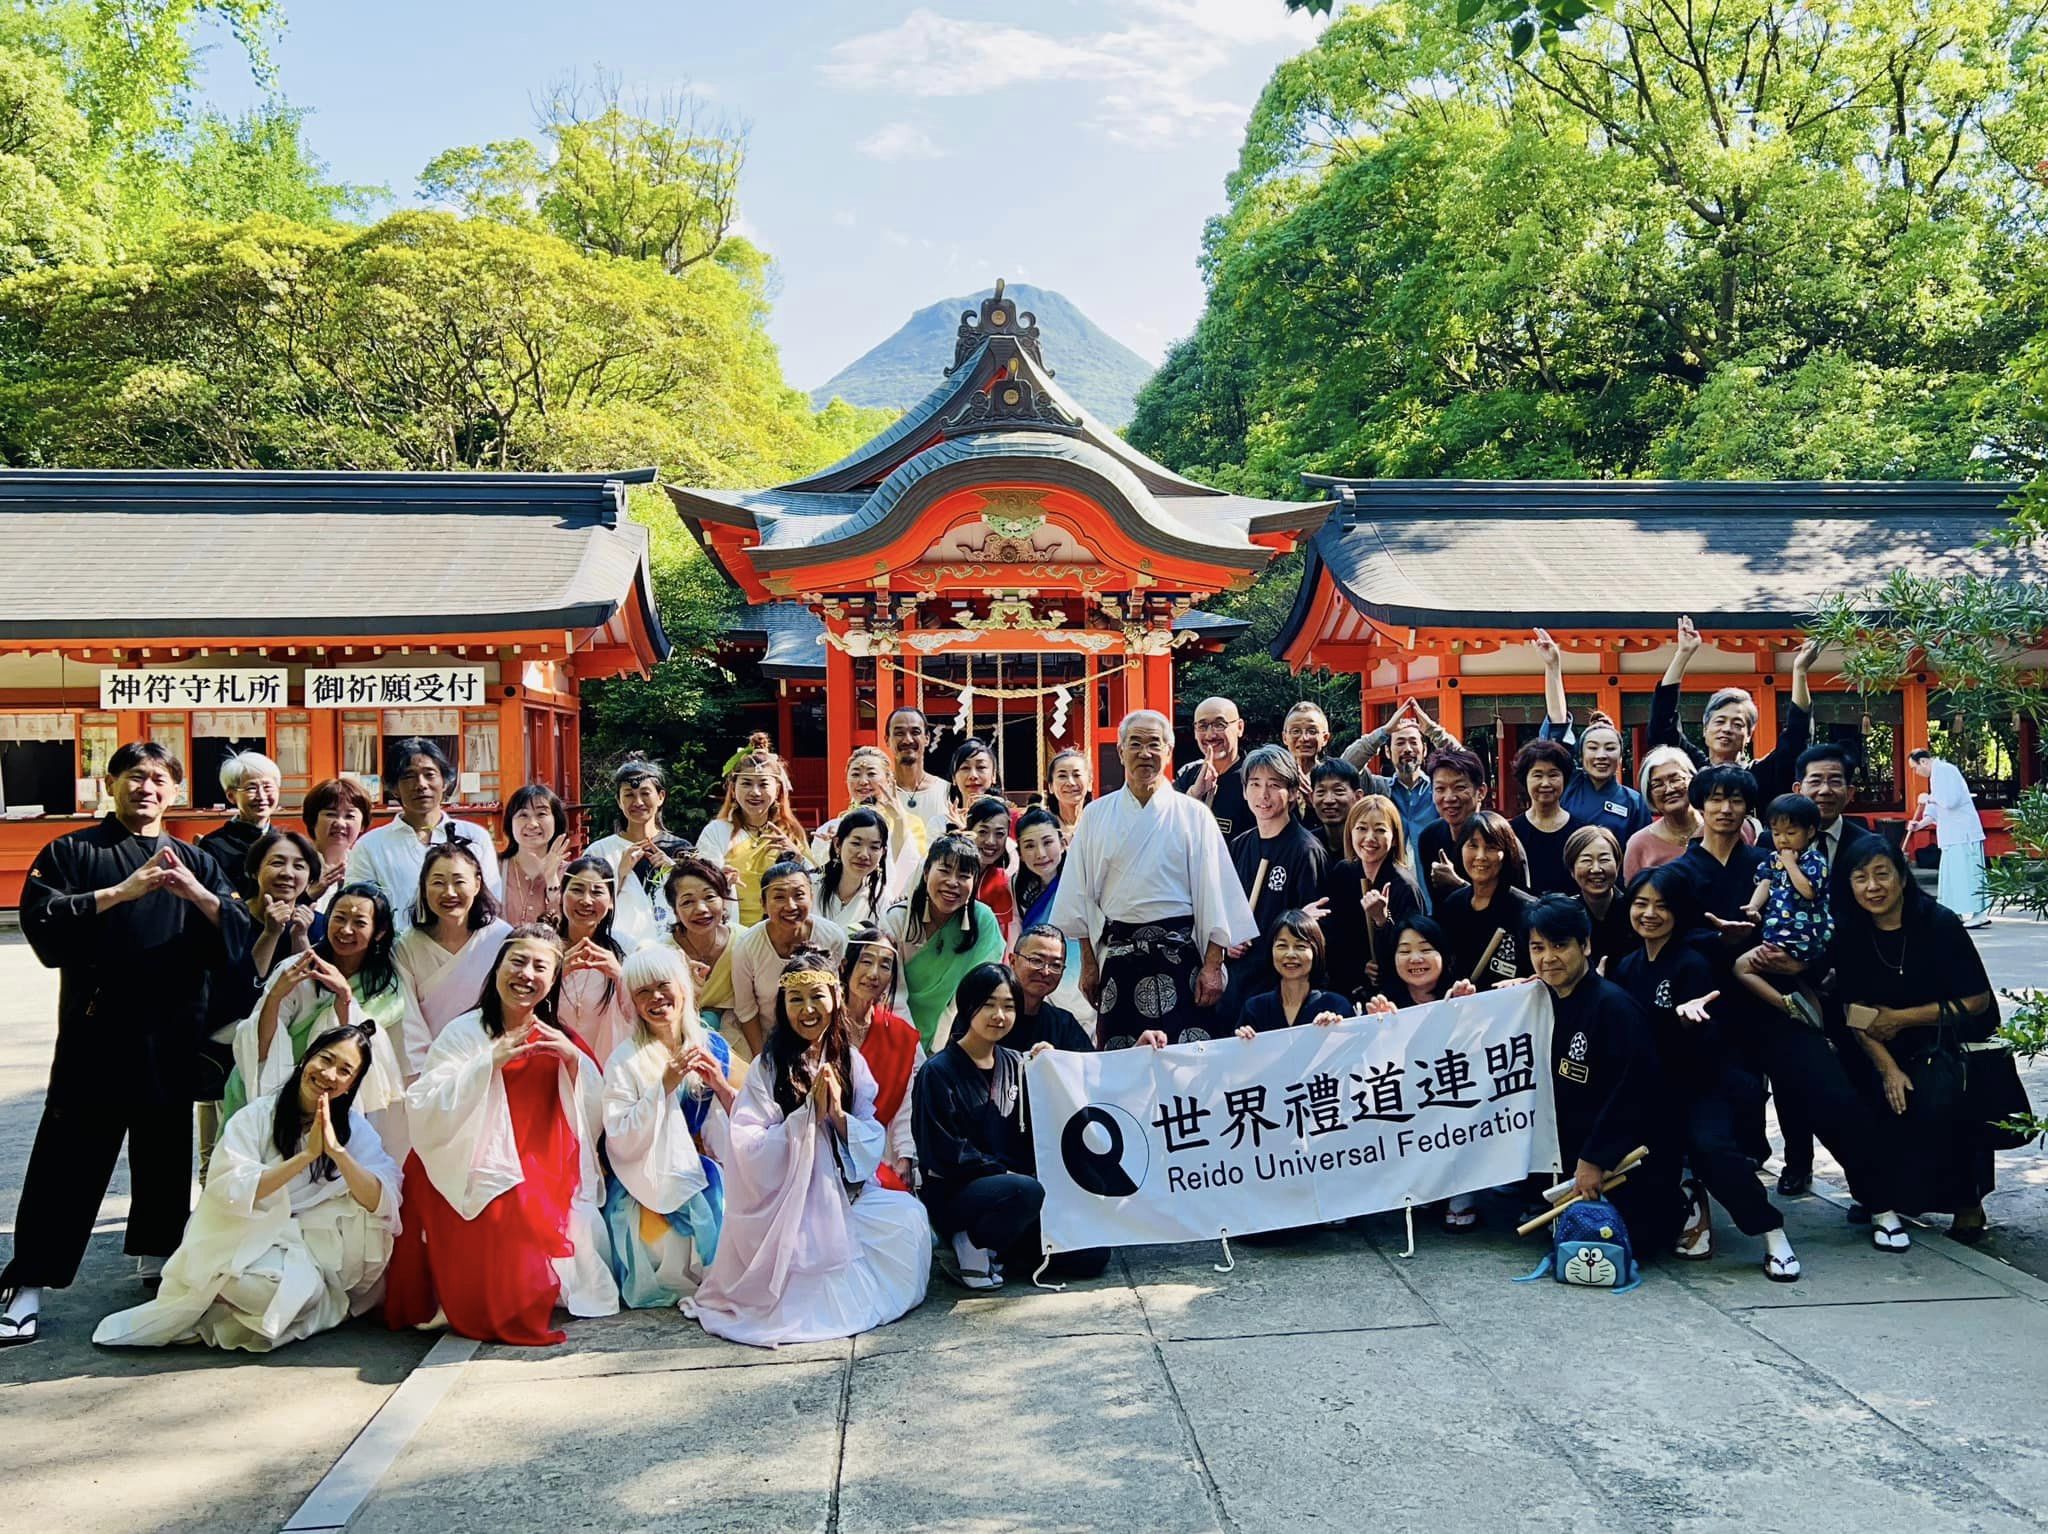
<point x="1327" y="1383"/>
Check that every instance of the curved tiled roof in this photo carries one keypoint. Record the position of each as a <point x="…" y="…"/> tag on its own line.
<point x="1042" y="456"/>
<point x="1636" y="553"/>
<point x="264" y="554"/>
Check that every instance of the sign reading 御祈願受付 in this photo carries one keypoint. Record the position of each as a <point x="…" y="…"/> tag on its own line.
<point x="1295" y="1127"/>
<point x="396" y="687"/>
<point x="193" y="688"/>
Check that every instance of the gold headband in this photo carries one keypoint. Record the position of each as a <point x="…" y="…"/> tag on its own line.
<point x="798" y="979"/>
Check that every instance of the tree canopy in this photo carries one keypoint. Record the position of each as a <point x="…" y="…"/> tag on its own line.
<point x="1750" y="238"/>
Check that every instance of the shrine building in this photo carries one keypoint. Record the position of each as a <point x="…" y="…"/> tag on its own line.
<point x="998" y="557"/>
<point x="316" y="618"/>
<point x="1431" y="588"/>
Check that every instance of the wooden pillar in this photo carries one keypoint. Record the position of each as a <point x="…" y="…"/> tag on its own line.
<point x="885" y="696"/>
<point x="1159" y="683"/>
<point x="839" y="715"/>
<point x="512" y="763"/>
<point x="1607" y="693"/>
<point x="1765" y="736"/>
<point x="1913" y="732"/>
<point x="1091" y="698"/>
<point x="1450" y="698"/>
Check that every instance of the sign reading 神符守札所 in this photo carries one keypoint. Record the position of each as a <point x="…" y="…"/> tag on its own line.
<point x="1295" y="1127"/>
<point x="193" y="687"/>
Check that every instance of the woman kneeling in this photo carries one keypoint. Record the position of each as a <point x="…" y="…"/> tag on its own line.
<point x="974" y="1142"/>
<point x="295" y="1226"/>
<point x="812" y="1246"/>
<point x="503" y="1184"/>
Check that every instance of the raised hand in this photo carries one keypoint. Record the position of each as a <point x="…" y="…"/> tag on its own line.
<point x="1808" y="653"/>
<point x="1694" y="1012"/>
<point x="1317" y="909"/>
<point x="1442" y="876"/>
<point x="1547" y="648"/>
<point x="1377" y="910"/>
<point x="1688" y="638"/>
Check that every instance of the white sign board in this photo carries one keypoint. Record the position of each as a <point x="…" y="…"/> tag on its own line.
<point x="193" y="689"/>
<point x="1296" y="1127"/>
<point x="395" y="687"/>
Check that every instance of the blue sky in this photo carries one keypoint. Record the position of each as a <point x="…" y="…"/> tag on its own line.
<point x="899" y="152"/>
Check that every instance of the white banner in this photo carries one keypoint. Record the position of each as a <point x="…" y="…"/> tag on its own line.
<point x="193" y="689"/>
<point x="395" y="687"/>
<point x="1295" y="1127"/>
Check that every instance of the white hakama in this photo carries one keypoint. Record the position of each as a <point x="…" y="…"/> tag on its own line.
<point x="255" y="1274"/>
<point x="799" y="1260"/>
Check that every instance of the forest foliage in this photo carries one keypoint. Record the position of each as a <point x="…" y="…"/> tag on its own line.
<point x="179" y="289"/>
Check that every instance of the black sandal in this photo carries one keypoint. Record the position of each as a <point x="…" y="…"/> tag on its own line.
<point x="18" y="1333"/>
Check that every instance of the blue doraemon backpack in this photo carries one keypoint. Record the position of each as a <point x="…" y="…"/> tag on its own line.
<point x="1589" y="1246"/>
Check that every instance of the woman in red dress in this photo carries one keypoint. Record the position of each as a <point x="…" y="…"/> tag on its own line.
<point x="889" y="1043"/>
<point x="503" y="1187"/>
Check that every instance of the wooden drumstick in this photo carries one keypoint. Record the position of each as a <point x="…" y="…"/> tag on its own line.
<point x="1486" y="958"/>
<point x="1627" y="1163"/>
<point x="1528" y="1227"/>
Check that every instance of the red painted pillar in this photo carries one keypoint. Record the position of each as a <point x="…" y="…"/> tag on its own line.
<point x="839" y="716"/>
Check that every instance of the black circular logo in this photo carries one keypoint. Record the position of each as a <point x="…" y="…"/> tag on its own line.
<point x="1105" y="1151"/>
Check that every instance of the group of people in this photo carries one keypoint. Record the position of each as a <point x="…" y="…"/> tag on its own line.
<point x="760" y="1075"/>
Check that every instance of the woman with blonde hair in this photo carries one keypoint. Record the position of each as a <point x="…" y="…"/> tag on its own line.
<point x="1370" y="894"/>
<point x="667" y="1093"/>
<point x="871" y="785"/>
<point x="755" y="827"/>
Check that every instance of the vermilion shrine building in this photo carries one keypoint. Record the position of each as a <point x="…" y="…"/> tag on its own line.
<point x="998" y="557"/>
<point x="314" y="617"/>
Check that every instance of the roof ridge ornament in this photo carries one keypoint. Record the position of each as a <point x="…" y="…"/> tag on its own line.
<point x="998" y="317"/>
<point x="1011" y="399"/>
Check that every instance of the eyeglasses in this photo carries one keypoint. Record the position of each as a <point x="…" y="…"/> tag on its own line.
<point x="1055" y="961"/>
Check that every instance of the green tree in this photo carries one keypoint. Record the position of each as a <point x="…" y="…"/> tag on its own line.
<point x="422" y="342"/>
<point x="44" y="168"/>
<point x="643" y="177"/>
<point x="1619" y="252"/>
<point x="1246" y="672"/>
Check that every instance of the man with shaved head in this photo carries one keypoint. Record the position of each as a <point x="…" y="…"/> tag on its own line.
<point x="1217" y="778"/>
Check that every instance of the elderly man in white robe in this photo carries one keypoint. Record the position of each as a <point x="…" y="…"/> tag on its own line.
<point x="1149" y="892"/>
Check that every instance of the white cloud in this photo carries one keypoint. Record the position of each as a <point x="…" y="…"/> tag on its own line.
<point x="900" y="141"/>
<point x="845" y="218"/>
<point x="1152" y="69"/>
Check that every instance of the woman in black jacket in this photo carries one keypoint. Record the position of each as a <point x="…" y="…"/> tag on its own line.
<point x="973" y="1134"/>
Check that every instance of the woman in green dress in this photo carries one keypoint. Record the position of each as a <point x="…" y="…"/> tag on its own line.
<point x="347" y="977"/>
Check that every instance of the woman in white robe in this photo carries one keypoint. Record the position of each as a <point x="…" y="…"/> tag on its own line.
<point x="503" y="1185"/>
<point x="283" y="1244"/>
<point x="444" y="957"/>
<point x="639" y="862"/>
<point x="594" y="1004"/>
<point x="349" y="976"/>
<point x="812" y="1246"/>
<point x="666" y="1101"/>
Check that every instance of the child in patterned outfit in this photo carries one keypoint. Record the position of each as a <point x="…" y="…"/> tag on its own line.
<point x="1791" y="907"/>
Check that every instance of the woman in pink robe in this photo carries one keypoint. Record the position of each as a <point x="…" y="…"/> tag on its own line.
<point x="594" y="999"/>
<point x="446" y="955"/>
<point x="812" y="1247"/>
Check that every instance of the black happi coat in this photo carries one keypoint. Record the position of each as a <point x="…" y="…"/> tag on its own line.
<point x="1470" y="931"/>
<point x="132" y="1002"/>
<point x="968" y="1123"/>
<point x="1049" y="1025"/>
<point x="1545" y="852"/>
<point x="1351" y="938"/>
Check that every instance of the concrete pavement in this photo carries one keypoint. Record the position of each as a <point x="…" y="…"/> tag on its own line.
<point x="1328" y="1383"/>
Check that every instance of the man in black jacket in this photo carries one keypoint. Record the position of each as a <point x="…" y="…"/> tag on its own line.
<point x="1039" y="958"/>
<point x="136" y="922"/>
